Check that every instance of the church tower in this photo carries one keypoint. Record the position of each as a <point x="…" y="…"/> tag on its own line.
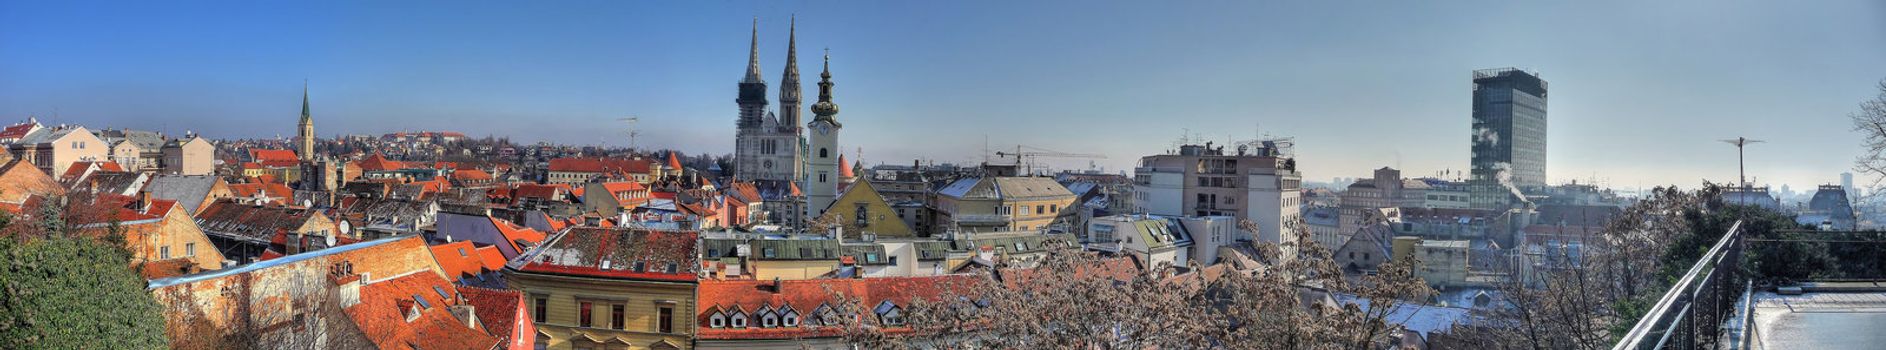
<point x="789" y="90"/>
<point x="822" y="164"/>
<point x="752" y="101"/>
<point x="304" y="140"/>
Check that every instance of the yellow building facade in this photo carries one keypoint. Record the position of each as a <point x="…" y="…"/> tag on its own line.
<point x="610" y="288"/>
<point x="861" y="210"/>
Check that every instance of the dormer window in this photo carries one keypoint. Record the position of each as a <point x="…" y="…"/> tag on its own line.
<point x="739" y="319"/>
<point x="788" y="317"/>
<point x="769" y="320"/>
<point x="889" y="314"/>
<point x="718" y="320"/>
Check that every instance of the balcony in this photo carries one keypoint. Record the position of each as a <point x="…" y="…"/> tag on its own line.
<point x="1812" y="290"/>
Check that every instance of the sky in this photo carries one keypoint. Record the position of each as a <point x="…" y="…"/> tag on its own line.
<point x="1640" y="91"/>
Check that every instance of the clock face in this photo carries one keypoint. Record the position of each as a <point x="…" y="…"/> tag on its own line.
<point x="823" y="129"/>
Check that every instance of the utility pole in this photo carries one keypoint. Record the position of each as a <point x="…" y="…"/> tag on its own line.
<point x="1741" y="166"/>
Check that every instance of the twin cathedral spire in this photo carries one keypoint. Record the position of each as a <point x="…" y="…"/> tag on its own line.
<point x="783" y="147"/>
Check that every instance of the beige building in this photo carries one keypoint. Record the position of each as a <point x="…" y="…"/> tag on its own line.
<point x="1257" y="184"/>
<point x="603" y="288"/>
<point x="1005" y="203"/>
<point x="54" y="149"/>
<point x="189" y="156"/>
<point x="1442" y="263"/>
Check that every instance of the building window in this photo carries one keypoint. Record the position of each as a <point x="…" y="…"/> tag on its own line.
<point x="769" y="320"/>
<point x="163" y="253"/>
<point x="665" y="320"/>
<point x="615" y="316"/>
<point x="541" y="307"/>
<point x="582" y="318"/>
<point x="822" y="154"/>
<point x="871" y="257"/>
<point x="739" y="320"/>
<point x="717" y="320"/>
<point x="771" y="253"/>
<point x="189" y="249"/>
<point x="790" y="318"/>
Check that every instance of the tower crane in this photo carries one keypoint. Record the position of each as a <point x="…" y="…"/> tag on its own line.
<point x="1027" y="157"/>
<point x="631" y="132"/>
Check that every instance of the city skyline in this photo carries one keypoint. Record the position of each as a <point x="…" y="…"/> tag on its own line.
<point x="1640" y="95"/>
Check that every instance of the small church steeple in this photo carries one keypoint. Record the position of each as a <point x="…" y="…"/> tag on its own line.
<point x="825" y="109"/>
<point x="304" y="132"/>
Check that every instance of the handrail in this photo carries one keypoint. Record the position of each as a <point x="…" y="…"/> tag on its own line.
<point x="1659" y="317"/>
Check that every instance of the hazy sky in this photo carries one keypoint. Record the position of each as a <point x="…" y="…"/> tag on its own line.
<point x="1640" y="90"/>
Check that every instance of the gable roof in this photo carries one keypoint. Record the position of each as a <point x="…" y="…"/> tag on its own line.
<point x="805" y="296"/>
<point x="188" y="190"/>
<point x="462" y="258"/>
<point x="20" y="179"/>
<point x="496" y="308"/>
<point x="228" y="218"/>
<point x="385" y="305"/>
<point x="274" y="158"/>
<point x="611" y="252"/>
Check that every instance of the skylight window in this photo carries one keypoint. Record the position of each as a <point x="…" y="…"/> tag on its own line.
<point x="442" y="293"/>
<point x="422" y="301"/>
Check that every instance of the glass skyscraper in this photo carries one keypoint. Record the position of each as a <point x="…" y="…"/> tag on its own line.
<point x="1509" y="129"/>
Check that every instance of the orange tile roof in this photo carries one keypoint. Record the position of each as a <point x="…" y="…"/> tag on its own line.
<point x="471" y="175"/>
<point x="513" y="233"/>
<point x="673" y="162"/>
<point x="461" y="259"/>
<point x="376" y="162"/>
<point x="385" y="305"/>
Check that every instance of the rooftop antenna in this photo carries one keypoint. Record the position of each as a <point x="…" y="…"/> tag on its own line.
<point x="1740" y="165"/>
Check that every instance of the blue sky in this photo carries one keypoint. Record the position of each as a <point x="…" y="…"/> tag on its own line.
<point x="1640" y="90"/>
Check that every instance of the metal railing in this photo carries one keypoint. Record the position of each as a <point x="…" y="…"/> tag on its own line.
<point x="1691" y="314"/>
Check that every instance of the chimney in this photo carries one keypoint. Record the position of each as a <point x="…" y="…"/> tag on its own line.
<point x="466" y="313"/>
<point x="144" y="202"/>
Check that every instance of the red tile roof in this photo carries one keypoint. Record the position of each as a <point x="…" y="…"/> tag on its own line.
<point x="272" y="189"/>
<point x="385" y="306"/>
<point x="78" y="169"/>
<point x="544" y="192"/>
<point x="805" y="296"/>
<point x="600" y="165"/>
<point x="585" y="251"/>
<point x="376" y="162"/>
<point x="674" y="163"/>
<point x="471" y="175"/>
<point x="496" y="308"/>
<point x="16" y="131"/>
<point x="274" y="158"/>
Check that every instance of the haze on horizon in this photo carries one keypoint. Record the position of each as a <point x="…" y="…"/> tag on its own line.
<point x="1640" y="91"/>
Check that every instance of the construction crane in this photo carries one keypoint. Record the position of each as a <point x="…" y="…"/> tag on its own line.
<point x="1026" y="158"/>
<point x="630" y="131"/>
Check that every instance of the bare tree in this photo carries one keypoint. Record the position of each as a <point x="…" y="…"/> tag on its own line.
<point x="1075" y="299"/>
<point x="1870" y="121"/>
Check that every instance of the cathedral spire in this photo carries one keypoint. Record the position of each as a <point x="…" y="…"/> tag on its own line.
<point x="792" y="50"/>
<point x="753" y="56"/>
<point x="789" y="90"/>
